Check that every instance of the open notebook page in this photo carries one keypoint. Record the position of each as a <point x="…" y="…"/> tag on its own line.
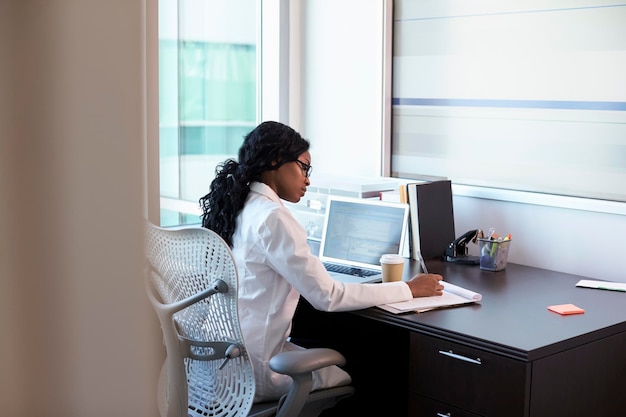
<point x="452" y="295"/>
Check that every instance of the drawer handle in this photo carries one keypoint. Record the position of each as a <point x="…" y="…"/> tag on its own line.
<point x="460" y="357"/>
<point x="444" y="415"/>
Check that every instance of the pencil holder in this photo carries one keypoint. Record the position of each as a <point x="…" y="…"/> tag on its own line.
<point x="493" y="254"/>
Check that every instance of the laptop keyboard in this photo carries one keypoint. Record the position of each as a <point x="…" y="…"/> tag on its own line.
<point x="359" y="272"/>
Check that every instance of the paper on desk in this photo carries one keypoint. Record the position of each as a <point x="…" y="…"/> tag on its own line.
<point x="452" y="295"/>
<point x="602" y="285"/>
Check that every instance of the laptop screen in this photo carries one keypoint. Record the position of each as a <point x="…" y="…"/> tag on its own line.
<point x="357" y="231"/>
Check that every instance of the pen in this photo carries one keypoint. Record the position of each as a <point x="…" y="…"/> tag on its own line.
<point x="422" y="263"/>
<point x="612" y="289"/>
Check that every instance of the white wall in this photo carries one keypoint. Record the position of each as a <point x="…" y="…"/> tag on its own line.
<point x="569" y="240"/>
<point x="340" y="109"/>
<point x="78" y="338"/>
<point x="342" y="78"/>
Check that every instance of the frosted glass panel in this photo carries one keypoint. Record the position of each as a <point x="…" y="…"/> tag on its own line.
<point x="523" y="95"/>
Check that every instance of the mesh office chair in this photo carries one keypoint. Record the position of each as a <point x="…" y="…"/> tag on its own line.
<point x="192" y="285"/>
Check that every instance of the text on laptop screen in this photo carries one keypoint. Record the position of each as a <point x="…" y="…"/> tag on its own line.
<point x="362" y="232"/>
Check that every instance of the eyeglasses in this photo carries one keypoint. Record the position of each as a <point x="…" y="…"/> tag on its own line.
<point x="306" y="168"/>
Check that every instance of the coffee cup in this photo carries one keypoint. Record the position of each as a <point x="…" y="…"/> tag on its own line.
<point x="392" y="265"/>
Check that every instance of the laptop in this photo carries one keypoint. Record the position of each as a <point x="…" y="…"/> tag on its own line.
<point x="357" y="232"/>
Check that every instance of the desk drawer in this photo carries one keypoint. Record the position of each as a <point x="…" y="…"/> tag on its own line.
<point x="468" y="378"/>
<point x="425" y="407"/>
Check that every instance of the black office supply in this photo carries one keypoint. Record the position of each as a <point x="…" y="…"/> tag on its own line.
<point x="457" y="249"/>
<point x="431" y="218"/>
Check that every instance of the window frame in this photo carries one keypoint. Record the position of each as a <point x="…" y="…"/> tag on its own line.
<point x="272" y="98"/>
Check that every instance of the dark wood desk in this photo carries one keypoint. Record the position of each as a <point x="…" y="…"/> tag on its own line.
<point x="507" y="356"/>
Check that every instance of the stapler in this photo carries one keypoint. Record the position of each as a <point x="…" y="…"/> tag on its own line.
<point x="457" y="249"/>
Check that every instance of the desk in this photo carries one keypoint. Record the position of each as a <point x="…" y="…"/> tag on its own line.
<point x="510" y="355"/>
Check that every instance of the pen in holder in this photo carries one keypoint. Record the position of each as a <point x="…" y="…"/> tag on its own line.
<point x="493" y="253"/>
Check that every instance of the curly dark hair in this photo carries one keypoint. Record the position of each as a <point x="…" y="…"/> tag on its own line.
<point x="265" y="148"/>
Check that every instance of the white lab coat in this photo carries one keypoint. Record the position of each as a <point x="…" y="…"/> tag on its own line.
<point x="275" y="267"/>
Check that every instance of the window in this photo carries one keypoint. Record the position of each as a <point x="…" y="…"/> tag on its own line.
<point x="207" y="96"/>
<point x="516" y="95"/>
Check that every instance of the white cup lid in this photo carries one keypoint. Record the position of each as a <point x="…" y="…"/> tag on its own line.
<point x="392" y="258"/>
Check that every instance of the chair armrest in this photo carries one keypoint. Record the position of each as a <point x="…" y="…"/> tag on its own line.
<point x="300" y="364"/>
<point x="304" y="361"/>
<point x="219" y="286"/>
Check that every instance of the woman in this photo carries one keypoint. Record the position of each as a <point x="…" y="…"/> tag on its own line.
<point x="274" y="262"/>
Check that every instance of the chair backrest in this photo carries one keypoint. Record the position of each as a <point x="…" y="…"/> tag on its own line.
<point x="192" y="284"/>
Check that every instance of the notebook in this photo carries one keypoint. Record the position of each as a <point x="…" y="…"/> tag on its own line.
<point x="357" y="232"/>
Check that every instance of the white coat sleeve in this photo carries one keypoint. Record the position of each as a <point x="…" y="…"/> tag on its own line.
<point x="290" y="256"/>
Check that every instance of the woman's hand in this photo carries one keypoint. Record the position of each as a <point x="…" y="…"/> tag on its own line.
<point x="425" y="285"/>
